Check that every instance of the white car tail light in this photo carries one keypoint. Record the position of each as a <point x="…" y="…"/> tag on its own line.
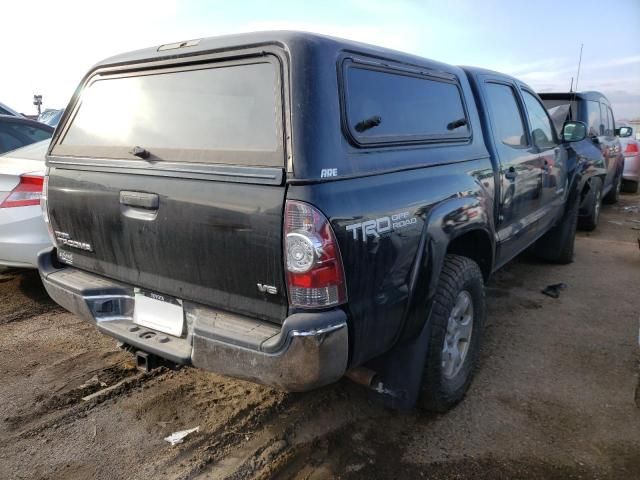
<point x="44" y="205"/>
<point x="632" y="147"/>
<point x="26" y="193"/>
<point x="315" y="275"/>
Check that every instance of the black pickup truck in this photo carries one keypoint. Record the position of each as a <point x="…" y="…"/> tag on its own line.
<point x="289" y="208"/>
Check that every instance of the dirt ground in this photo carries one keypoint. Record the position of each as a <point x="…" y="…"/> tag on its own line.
<point x="556" y="394"/>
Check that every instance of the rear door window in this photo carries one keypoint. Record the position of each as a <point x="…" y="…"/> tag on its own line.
<point x="385" y="106"/>
<point x="541" y="126"/>
<point x="505" y="113"/>
<point x="227" y="114"/>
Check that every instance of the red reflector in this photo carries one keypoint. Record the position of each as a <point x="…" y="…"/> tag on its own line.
<point x="26" y="193"/>
<point x="631" y="148"/>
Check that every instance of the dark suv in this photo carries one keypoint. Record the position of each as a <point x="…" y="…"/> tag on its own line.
<point x="601" y="151"/>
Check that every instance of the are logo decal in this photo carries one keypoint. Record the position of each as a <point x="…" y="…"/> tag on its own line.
<point x="328" y="172"/>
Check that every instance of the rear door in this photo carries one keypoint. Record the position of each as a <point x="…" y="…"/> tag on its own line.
<point x="520" y="170"/>
<point x="552" y="155"/>
<point x="171" y="179"/>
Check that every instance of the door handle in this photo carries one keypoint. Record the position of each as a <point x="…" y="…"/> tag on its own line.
<point x="149" y="201"/>
<point x="511" y="174"/>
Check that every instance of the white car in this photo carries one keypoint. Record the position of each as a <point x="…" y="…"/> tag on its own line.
<point x="23" y="232"/>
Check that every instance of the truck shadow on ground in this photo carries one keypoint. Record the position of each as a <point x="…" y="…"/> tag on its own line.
<point x="23" y="296"/>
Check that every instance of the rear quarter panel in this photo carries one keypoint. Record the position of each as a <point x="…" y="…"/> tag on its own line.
<point x="425" y="208"/>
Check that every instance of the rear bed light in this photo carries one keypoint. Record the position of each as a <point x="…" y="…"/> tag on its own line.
<point x="26" y="193"/>
<point x="315" y="275"/>
<point x="631" y="148"/>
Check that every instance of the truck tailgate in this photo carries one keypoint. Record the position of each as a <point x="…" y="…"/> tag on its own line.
<point x="207" y="241"/>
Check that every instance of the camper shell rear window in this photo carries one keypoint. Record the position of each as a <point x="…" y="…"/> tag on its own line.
<point x="226" y="112"/>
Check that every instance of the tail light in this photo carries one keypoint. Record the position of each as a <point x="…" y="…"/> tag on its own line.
<point x="44" y="205"/>
<point x="315" y="275"/>
<point x="26" y="193"/>
<point x="632" y="147"/>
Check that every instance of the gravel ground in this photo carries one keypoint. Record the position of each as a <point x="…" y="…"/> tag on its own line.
<point x="556" y="395"/>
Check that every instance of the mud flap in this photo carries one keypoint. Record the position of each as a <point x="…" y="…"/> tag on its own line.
<point x="399" y="372"/>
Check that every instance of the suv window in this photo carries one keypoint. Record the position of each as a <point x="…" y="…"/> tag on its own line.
<point x="505" y="114"/>
<point x="385" y="106"/>
<point x="594" y="122"/>
<point x="182" y="115"/>
<point x="541" y="127"/>
<point x="610" y="123"/>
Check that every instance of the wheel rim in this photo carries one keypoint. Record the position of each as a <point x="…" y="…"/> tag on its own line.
<point x="458" y="336"/>
<point x="596" y="212"/>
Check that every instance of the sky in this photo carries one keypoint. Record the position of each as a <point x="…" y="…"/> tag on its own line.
<point x="46" y="47"/>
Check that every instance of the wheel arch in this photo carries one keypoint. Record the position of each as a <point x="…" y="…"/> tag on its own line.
<point x="460" y="226"/>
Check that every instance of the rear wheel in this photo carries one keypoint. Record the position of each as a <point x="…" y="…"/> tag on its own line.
<point x="457" y="320"/>
<point x="614" y="193"/>
<point x="593" y="201"/>
<point x="629" y="186"/>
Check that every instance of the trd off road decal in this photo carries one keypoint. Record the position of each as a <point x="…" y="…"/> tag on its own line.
<point x="380" y="226"/>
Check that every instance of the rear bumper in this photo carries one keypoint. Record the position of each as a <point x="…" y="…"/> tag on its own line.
<point x="632" y="168"/>
<point x="23" y="234"/>
<point x="307" y="351"/>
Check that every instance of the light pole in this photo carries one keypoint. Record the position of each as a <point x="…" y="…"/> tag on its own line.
<point x="37" y="101"/>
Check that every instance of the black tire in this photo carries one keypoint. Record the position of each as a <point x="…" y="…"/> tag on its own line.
<point x="558" y="244"/>
<point x="440" y="392"/>
<point x="629" y="186"/>
<point x="593" y="200"/>
<point x="614" y="194"/>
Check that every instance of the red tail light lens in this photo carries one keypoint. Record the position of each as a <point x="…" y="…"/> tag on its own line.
<point x="632" y="147"/>
<point x="315" y="276"/>
<point x="26" y="193"/>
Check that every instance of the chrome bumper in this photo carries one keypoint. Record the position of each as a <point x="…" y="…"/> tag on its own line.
<point x="307" y="351"/>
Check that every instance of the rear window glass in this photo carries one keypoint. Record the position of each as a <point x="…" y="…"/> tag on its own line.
<point x="227" y="108"/>
<point x="384" y="106"/>
<point x="506" y="115"/>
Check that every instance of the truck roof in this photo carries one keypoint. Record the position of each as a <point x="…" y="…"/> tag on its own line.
<point x="292" y="41"/>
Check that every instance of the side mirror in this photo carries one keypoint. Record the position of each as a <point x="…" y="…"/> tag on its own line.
<point x="624" y="132"/>
<point x="573" y="131"/>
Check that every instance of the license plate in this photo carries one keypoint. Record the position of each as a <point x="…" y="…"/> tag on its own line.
<point x="158" y="311"/>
